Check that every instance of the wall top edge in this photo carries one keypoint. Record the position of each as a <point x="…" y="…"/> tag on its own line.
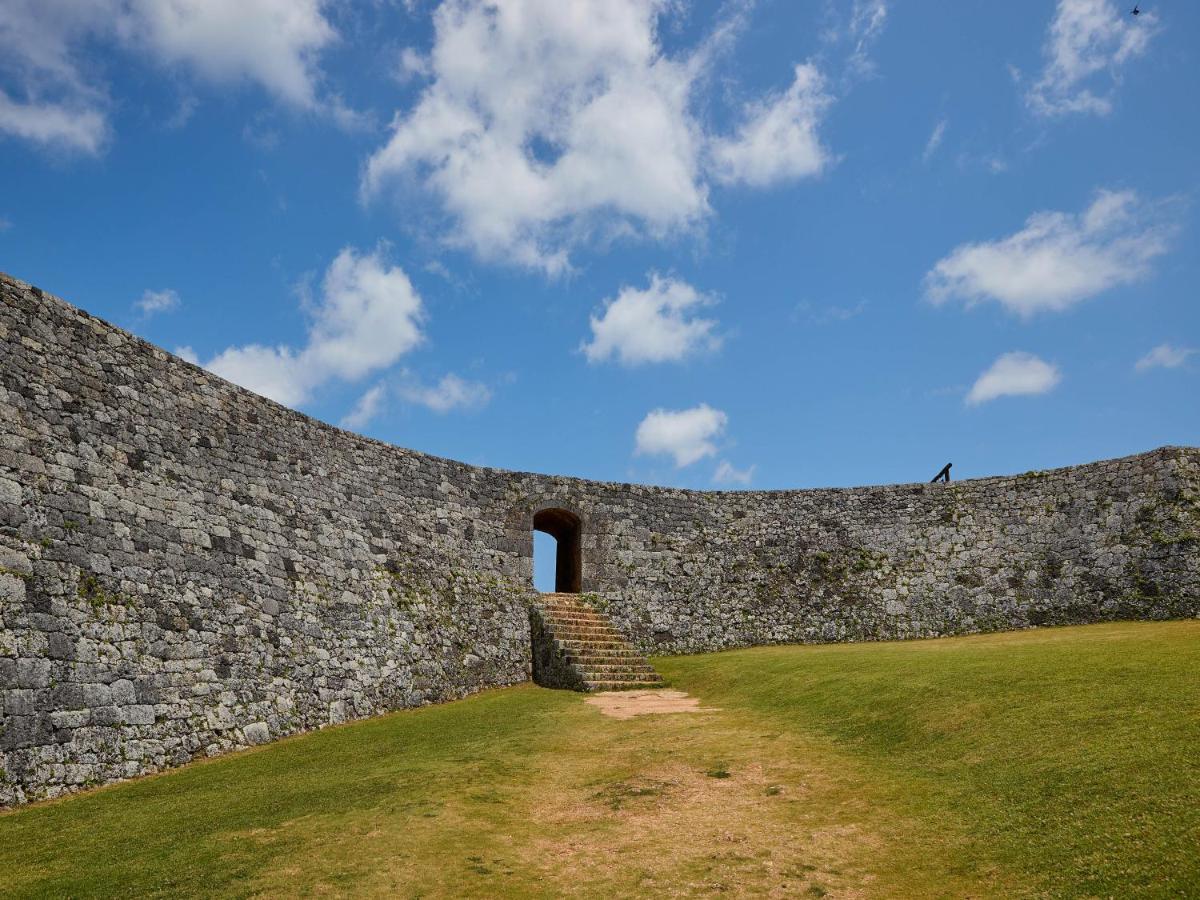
<point x="61" y="307"/>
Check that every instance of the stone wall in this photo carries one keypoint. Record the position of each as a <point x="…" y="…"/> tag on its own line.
<point x="187" y="568"/>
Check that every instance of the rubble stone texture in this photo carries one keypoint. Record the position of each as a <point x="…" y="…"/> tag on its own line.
<point x="187" y="568"/>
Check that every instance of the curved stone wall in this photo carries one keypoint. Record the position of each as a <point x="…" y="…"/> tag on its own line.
<point x="187" y="568"/>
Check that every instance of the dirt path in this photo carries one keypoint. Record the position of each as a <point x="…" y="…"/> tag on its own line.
<point x="627" y="704"/>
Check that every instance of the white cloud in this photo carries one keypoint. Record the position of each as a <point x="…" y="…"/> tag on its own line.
<point x="687" y="435"/>
<point x="74" y="128"/>
<point x="274" y="372"/>
<point x="273" y="43"/>
<point x="451" y="392"/>
<point x="366" y="408"/>
<point x="935" y="140"/>
<point x="186" y="352"/>
<point x="546" y="123"/>
<point x="867" y="19"/>
<point x="826" y="315"/>
<point x="1087" y="40"/>
<point x="1058" y="259"/>
<point x="48" y="100"/>
<point x="855" y="35"/>
<point x="727" y="474"/>
<point x="1012" y="375"/>
<point x="411" y="65"/>
<point x="152" y="302"/>
<point x="60" y="99"/>
<point x="545" y="118"/>
<point x="652" y="325"/>
<point x="368" y="316"/>
<point x="778" y="139"/>
<point x="183" y="113"/>
<point x="1165" y="356"/>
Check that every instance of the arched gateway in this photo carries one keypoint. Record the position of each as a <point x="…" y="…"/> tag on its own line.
<point x="564" y="526"/>
<point x="575" y="644"/>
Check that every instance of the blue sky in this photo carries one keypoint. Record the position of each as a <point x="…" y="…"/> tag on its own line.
<point x="772" y="244"/>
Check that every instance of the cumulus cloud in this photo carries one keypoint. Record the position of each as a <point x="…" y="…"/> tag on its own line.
<point x="366" y="408"/>
<point x="727" y="474"/>
<point x="368" y="316"/>
<point x="445" y="395"/>
<point x="686" y="435"/>
<point x="1088" y="43"/>
<point x="1166" y="356"/>
<point x="778" y="139"/>
<point x="1012" y="375"/>
<point x="1058" y="259"/>
<point x="153" y="302"/>
<point x="543" y="116"/>
<point x="44" y="98"/>
<point x="53" y="95"/>
<point x="547" y="122"/>
<point x="652" y="325"/>
<point x="73" y="127"/>
<point x="451" y="392"/>
<point x="273" y="43"/>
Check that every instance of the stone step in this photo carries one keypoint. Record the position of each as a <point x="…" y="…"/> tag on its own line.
<point x="623" y="666"/>
<point x="621" y="649"/>
<point x="576" y="620"/>
<point x="572" y="638"/>
<point x="646" y="674"/>
<point x="597" y="686"/>
<point x="593" y="663"/>
<point x="574" y="611"/>
<point x="576" y="644"/>
<point x="587" y="633"/>
<point x="622" y="652"/>
<point x="588" y="645"/>
<point x="574" y="615"/>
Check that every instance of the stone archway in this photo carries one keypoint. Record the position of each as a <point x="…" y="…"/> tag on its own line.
<point x="564" y="526"/>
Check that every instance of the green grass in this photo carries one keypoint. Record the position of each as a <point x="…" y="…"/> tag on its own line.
<point x="1071" y="755"/>
<point x="1061" y="762"/>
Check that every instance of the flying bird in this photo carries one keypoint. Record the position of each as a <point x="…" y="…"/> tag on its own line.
<point x="1135" y="11"/>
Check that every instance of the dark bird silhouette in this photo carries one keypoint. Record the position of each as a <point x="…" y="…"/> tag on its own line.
<point x="943" y="475"/>
<point x="1135" y="11"/>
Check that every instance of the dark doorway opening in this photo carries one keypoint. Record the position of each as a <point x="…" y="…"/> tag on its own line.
<point x="563" y="526"/>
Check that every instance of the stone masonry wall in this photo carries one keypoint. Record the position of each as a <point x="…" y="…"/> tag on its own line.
<point x="187" y="568"/>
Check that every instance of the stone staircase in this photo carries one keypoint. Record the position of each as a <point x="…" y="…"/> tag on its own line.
<point x="575" y="646"/>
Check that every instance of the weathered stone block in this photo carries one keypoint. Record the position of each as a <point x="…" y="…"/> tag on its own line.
<point x="33" y="673"/>
<point x="138" y="715"/>
<point x="257" y="733"/>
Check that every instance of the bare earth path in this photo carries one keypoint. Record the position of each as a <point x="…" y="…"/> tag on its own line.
<point x="626" y="704"/>
<point x="631" y="800"/>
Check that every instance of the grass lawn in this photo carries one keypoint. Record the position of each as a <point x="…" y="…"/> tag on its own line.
<point x="1060" y="762"/>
